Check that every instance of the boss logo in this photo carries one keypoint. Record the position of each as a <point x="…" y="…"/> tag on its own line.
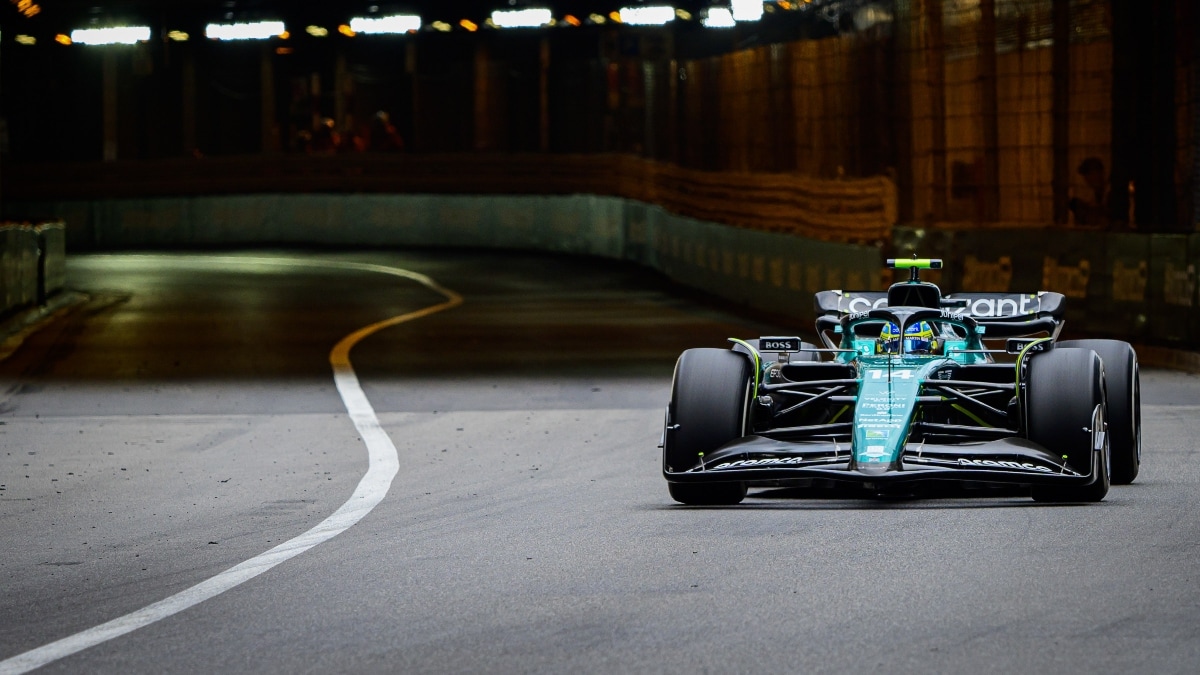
<point x="777" y="344"/>
<point x="1018" y="345"/>
<point x="771" y="461"/>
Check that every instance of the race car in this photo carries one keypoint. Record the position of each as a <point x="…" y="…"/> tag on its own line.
<point x="911" y="389"/>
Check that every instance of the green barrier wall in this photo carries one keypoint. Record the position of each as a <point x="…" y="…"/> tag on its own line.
<point x="769" y="271"/>
<point x="1131" y="286"/>
<point x="18" y="266"/>
<point x="33" y="263"/>
<point x="1194" y="269"/>
<point x="1172" y="288"/>
<point x="52" y="249"/>
<point x="1123" y="304"/>
<point x="1136" y="287"/>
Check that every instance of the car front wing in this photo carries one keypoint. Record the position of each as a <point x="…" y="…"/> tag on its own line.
<point x="1007" y="460"/>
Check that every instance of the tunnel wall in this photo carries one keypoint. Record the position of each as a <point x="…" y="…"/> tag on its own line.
<point x="33" y="263"/>
<point x="770" y="271"/>
<point x="1137" y="287"/>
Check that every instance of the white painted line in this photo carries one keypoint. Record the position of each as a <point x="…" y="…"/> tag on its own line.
<point x="382" y="467"/>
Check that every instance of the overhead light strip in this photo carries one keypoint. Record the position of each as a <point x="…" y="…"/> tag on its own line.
<point x="261" y="30"/>
<point x="522" y="18"/>
<point x="386" y="25"/>
<point x="719" y="17"/>
<point x="652" y="15"/>
<point x="116" y="35"/>
<point x="747" y="10"/>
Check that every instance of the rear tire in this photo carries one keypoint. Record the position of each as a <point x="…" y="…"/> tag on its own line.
<point x="1064" y="387"/>
<point x="1124" y="391"/>
<point x="710" y="399"/>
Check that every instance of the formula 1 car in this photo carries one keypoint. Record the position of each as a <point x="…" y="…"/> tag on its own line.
<point x="907" y="393"/>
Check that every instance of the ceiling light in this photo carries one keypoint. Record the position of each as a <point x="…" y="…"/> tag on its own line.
<point x="747" y="10"/>
<point x="521" y="18"/>
<point x="652" y="15"/>
<point x="118" y="35"/>
<point x="261" y="30"/>
<point x="396" y="24"/>
<point x="719" y="17"/>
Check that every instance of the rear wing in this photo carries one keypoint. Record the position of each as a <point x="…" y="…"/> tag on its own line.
<point x="1002" y="314"/>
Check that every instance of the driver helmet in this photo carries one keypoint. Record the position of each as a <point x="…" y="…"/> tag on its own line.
<point x="918" y="339"/>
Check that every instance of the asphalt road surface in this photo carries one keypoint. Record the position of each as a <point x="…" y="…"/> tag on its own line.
<point x="186" y="420"/>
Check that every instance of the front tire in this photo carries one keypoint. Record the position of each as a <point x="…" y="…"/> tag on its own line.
<point x="710" y="399"/>
<point x="1063" y="391"/>
<point x="1124" y="404"/>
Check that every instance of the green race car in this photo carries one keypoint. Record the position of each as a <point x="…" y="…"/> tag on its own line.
<point x="911" y="388"/>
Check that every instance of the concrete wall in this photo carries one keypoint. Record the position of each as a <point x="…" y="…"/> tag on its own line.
<point x="771" y="271"/>
<point x="1142" y="288"/>
<point x="32" y="263"/>
<point x="1136" y="287"/>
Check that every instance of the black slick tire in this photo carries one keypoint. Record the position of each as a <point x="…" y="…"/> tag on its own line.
<point x="710" y="399"/>
<point x="1124" y="404"/>
<point x="1064" y="387"/>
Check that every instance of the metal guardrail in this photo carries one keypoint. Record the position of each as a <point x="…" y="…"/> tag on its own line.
<point x="33" y="263"/>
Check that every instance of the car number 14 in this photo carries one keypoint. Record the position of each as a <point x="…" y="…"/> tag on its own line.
<point x="878" y="373"/>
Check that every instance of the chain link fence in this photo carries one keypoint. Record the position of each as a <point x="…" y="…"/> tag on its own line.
<point x="983" y="111"/>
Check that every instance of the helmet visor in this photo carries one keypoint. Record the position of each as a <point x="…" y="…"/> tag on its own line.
<point x="916" y="345"/>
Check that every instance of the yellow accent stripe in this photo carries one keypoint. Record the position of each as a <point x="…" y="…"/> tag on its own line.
<point x="757" y="362"/>
<point x="919" y="263"/>
<point x="1021" y="357"/>
<point x="970" y="414"/>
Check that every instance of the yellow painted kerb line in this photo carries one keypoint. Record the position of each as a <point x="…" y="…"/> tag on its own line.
<point x="339" y="357"/>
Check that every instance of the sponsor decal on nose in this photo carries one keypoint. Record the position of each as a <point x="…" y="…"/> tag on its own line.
<point x="1004" y="464"/>
<point x="766" y="461"/>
